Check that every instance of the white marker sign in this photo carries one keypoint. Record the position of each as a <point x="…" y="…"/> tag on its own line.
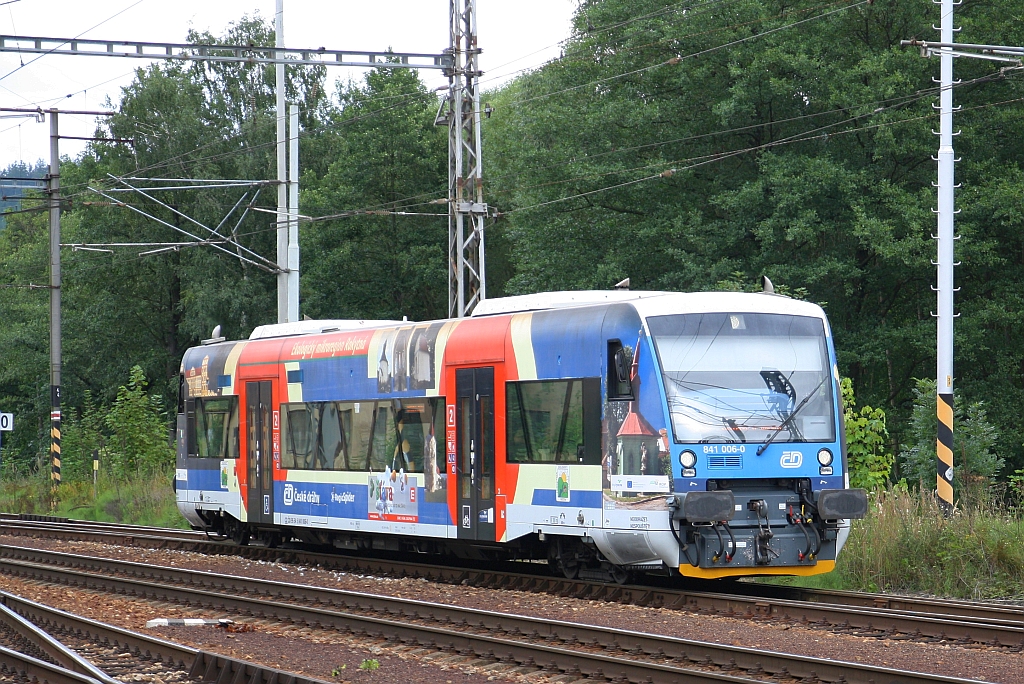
<point x="6" y="422"/>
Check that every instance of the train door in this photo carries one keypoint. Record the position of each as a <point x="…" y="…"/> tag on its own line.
<point x="259" y="422"/>
<point x="474" y="391"/>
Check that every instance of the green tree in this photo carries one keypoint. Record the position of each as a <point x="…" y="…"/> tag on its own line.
<point x="139" y="440"/>
<point x="186" y="120"/>
<point x="974" y="440"/>
<point x="799" y="151"/>
<point x="24" y="339"/>
<point x="381" y="156"/>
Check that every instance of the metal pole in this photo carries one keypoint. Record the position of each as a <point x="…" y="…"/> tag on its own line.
<point x="466" y="287"/>
<point x="944" y="265"/>
<point x="282" y="173"/>
<point x="293" y="215"/>
<point x="477" y="174"/>
<point x="455" y="217"/>
<point x="55" y="350"/>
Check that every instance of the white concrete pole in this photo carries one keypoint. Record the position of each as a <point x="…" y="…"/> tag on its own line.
<point x="282" y="172"/>
<point x="293" y="214"/>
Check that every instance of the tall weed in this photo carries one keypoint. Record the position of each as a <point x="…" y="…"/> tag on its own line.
<point x="906" y="546"/>
<point x="141" y="499"/>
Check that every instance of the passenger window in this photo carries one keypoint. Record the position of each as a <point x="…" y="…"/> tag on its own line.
<point x="546" y="421"/>
<point x="214" y="425"/>
<point x="367" y="435"/>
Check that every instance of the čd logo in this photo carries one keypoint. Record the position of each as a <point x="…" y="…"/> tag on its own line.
<point x="791" y="459"/>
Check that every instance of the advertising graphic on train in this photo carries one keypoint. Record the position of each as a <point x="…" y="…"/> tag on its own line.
<point x="637" y="470"/>
<point x="404" y="359"/>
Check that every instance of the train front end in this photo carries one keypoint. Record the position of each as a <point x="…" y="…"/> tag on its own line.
<point x="760" y="483"/>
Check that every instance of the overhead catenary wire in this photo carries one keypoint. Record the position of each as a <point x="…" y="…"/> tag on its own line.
<point x="694" y="9"/>
<point x="217" y="157"/>
<point x="892" y="103"/>
<point x="110" y="18"/>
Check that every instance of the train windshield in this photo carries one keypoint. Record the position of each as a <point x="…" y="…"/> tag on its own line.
<point x="739" y="377"/>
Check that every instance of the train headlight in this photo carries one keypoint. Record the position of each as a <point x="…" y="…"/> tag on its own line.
<point x="825" y="457"/>
<point x="687" y="459"/>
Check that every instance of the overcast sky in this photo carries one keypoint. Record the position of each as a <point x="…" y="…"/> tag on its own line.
<point x="514" y="34"/>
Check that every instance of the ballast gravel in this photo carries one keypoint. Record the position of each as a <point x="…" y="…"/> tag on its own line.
<point x="302" y="650"/>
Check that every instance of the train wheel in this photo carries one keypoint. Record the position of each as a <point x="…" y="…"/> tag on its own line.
<point x="241" y="534"/>
<point x="618" y="574"/>
<point x="570" y="568"/>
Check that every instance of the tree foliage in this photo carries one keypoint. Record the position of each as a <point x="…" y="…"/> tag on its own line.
<point x="137" y="423"/>
<point x="694" y="145"/>
<point x="974" y="454"/>
<point x="690" y="145"/>
<point x="381" y="155"/>
<point x="867" y="442"/>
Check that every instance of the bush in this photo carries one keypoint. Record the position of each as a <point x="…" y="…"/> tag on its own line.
<point x="974" y="438"/>
<point x="866" y="438"/>
<point x="81" y="435"/>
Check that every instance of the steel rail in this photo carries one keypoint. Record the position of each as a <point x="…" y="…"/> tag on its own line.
<point x="54" y="650"/>
<point x="644" y="657"/>
<point x="32" y="670"/>
<point x="881" y="614"/>
<point x="201" y="665"/>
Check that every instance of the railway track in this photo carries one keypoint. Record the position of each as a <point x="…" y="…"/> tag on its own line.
<point x="43" y="644"/>
<point x="872" y="615"/>
<point x="525" y="643"/>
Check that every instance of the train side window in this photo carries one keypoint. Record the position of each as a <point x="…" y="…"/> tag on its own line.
<point x="331" y="443"/>
<point x="382" y="442"/>
<point x="181" y="393"/>
<point x="299" y="435"/>
<point x="366" y="435"/>
<point x="518" y="449"/>
<point x="546" y="421"/>
<point x="190" y="428"/>
<point x="618" y="381"/>
<point x="215" y="427"/>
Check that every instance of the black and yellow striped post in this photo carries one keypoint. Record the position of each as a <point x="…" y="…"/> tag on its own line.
<point x="54" y="442"/>
<point x="944" y="451"/>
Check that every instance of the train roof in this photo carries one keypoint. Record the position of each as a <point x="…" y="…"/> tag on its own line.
<point x="558" y="300"/>
<point x="646" y="302"/>
<point x="262" y="332"/>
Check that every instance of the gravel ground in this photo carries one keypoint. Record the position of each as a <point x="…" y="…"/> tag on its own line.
<point x="302" y="650"/>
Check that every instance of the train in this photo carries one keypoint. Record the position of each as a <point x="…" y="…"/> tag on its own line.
<point x="608" y="433"/>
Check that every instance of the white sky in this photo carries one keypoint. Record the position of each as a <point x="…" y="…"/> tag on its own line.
<point x="514" y="34"/>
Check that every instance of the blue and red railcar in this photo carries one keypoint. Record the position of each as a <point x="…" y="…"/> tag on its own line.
<point x="608" y="432"/>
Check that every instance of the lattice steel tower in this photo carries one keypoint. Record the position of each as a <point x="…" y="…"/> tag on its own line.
<point x="467" y="210"/>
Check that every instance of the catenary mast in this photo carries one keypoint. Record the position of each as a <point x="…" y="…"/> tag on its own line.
<point x="466" y="271"/>
<point x="944" y="266"/>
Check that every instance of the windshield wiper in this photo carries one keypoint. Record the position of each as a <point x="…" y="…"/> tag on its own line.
<point x="789" y="419"/>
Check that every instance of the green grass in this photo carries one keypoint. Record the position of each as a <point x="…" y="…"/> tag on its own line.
<point x="137" y="499"/>
<point x="906" y="545"/>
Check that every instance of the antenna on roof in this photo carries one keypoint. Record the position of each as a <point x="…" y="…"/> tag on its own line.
<point x="766" y="285"/>
<point x="622" y="284"/>
<point x="215" y="337"/>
